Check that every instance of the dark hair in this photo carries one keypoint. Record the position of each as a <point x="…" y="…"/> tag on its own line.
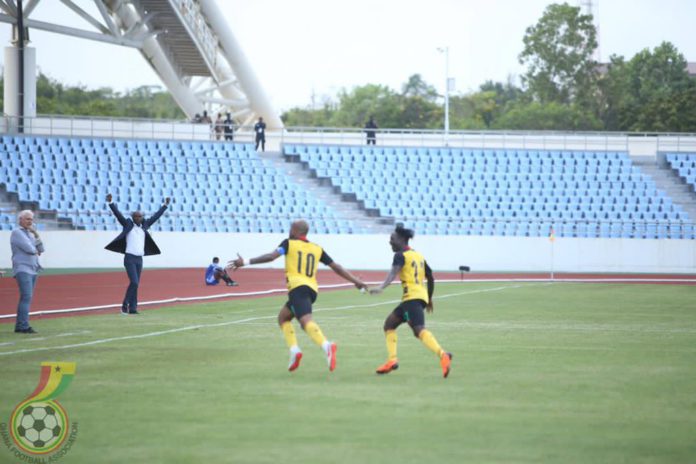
<point x="404" y="233"/>
<point x="216" y="259"/>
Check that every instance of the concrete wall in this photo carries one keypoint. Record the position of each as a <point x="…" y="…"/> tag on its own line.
<point x="183" y="249"/>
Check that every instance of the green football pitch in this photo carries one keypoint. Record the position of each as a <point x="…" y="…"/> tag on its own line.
<point x="559" y="373"/>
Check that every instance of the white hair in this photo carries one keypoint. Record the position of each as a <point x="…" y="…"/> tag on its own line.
<point x="25" y="213"/>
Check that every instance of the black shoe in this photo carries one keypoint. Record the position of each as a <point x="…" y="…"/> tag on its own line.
<point x="133" y="312"/>
<point x="124" y="311"/>
<point x="28" y="330"/>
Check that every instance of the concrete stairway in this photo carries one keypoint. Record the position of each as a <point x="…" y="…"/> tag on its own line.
<point x="345" y="209"/>
<point x="46" y="219"/>
<point x="666" y="179"/>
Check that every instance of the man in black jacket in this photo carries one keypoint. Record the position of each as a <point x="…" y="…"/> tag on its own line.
<point x="134" y="242"/>
<point x="260" y="130"/>
<point x="370" y="127"/>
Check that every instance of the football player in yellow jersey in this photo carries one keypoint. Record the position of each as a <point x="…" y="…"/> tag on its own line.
<point x="301" y="260"/>
<point x="413" y="271"/>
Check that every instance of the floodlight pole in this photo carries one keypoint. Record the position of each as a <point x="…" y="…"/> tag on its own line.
<point x="20" y="83"/>
<point x="445" y="50"/>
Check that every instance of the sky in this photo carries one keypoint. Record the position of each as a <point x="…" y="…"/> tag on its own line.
<point x="305" y="51"/>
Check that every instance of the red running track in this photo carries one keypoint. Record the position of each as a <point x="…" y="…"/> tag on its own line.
<point x="65" y="291"/>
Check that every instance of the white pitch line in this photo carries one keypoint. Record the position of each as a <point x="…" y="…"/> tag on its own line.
<point x="221" y="324"/>
<point x="67" y="334"/>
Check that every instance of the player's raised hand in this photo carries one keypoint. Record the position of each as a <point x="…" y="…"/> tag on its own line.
<point x="235" y="263"/>
<point x="167" y="201"/>
<point x="109" y="198"/>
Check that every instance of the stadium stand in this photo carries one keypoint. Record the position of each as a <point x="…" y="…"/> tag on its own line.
<point x="451" y="191"/>
<point x="684" y="164"/>
<point x="501" y="192"/>
<point x="215" y="187"/>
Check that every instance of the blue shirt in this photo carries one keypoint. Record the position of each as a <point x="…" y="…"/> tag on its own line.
<point x="210" y="274"/>
<point x="25" y="251"/>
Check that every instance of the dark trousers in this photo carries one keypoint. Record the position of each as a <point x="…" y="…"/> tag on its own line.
<point x="134" y="267"/>
<point x="262" y="141"/>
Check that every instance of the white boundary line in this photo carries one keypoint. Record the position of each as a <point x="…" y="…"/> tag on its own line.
<point x="223" y="324"/>
<point x="178" y="299"/>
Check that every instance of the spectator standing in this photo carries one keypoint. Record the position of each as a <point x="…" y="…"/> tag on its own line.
<point x="229" y="128"/>
<point x="260" y="130"/>
<point x="26" y="249"/>
<point x="219" y="126"/>
<point x="370" y="127"/>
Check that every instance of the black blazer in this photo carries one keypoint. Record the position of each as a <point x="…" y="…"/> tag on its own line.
<point x="119" y="243"/>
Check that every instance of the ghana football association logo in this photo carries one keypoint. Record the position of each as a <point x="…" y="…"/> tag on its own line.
<point x="39" y="426"/>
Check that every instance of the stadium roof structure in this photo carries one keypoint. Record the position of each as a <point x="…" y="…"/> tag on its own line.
<point x="186" y="42"/>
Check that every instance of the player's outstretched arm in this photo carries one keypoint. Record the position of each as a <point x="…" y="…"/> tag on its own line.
<point x="241" y="262"/>
<point x="340" y="270"/>
<point x="390" y="278"/>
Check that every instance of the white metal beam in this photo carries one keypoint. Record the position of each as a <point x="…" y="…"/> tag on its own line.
<point x="234" y="55"/>
<point x="9" y="7"/>
<point x="86" y="16"/>
<point x="29" y="7"/>
<point x="223" y="77"/>
<point x="107" y="18"/>
<point x="58" y="29"/>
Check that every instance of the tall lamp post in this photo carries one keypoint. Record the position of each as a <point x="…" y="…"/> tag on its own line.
<point x="445" y="50"/>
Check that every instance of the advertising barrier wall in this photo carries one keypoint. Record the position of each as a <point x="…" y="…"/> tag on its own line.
<point x="79" y="249"/>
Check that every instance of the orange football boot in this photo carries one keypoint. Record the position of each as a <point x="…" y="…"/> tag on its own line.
<point x="445" y="363"/>
<point x="388" y="366"/>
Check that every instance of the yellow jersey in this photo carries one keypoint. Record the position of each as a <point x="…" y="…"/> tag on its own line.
<point x="412" y="275"/>
<point x="301" y="260"/>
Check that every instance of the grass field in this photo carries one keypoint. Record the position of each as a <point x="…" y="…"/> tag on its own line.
<point x="558" y="373"/>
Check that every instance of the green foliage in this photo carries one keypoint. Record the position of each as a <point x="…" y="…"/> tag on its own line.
<point x="52" y="97"/>
<point x="417" y="87"/>
<point x="558" y="53"/>
<point x="548" y="116"/>
<point x="650" y="92"/>
<point x="563" y="90"/>
<point x="357" y="105"/>
<point x="414" y="108"/>
<point x="301" y="117"/>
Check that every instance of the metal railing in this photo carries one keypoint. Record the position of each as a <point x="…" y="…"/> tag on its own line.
<point x="643" y="143"/>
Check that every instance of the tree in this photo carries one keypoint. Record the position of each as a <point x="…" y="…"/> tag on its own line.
<point x="419" y="113"/>
<point x="650" y="92"/>
<point x="504" y="93"/>
<point x="357" y="105"/>
<point x="309" y="117"/>
<point x="558" y="53"/>
<point x="52" y="97"/>
<point x="548" y="116"/>
<point x="415" y="86"/>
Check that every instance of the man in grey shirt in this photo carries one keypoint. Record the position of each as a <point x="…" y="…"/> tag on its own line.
<point x="26" y="248"/>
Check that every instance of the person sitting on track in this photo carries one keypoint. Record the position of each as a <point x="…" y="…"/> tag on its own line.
<point x="215" y="272"/>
